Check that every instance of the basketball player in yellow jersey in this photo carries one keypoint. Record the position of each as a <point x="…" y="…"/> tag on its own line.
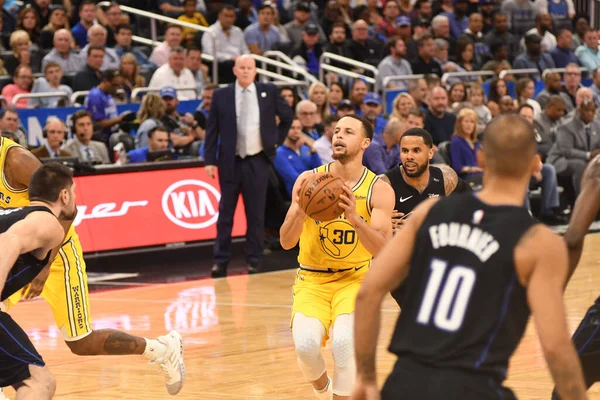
<point x="334" y="257"/>
<point x="63" y="283"/>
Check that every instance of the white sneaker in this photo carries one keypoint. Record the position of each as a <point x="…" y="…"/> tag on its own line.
<point x="327" y="394"/>
<point x="172" y="364"/>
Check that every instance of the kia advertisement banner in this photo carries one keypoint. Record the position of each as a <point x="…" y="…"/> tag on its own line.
<point x="138" y="209"/>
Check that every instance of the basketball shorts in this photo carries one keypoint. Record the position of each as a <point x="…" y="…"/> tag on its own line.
<point x="16" y="352"/>
<point x="66" y="291"/>
<point x="326" y="295"/>
<point x="412" y="380"/>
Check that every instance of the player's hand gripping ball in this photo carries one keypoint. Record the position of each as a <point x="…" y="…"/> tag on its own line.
<point x="320" y="196"/>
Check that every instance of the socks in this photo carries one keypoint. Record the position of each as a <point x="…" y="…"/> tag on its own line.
<point x="325" y="393"/>
<point x="154" y="350"/>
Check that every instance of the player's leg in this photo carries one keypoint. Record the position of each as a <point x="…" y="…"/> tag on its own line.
<point x="311" y="318"/>
<point x="587" y="342"/>
<point x="66" y="291"/>
<point x="21" y="366"/>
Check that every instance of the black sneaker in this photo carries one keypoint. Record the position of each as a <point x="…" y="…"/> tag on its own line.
<point x="219" y="271"/>
<point x="554" y="219"/>
<point x="253" y="268"/>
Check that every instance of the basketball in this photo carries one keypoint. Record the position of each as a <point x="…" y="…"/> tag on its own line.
<point x="320" y="196"/>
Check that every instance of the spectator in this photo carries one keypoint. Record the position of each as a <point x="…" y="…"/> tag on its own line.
<point x="29" y="21"/>
<point x="58" y="20"/>
<point x="572" y="77"/>
<point x="183" y="129"/>
<point x="438" y="122"/>
<point x="502" y="34"/>
<point x="587" y="53"/>
<point x="171" y="8"/>
<point x="100" y="103"/>
<point x="203" y="110"/>
<point x="337" y="42"/>
<point x="229" y="41"/>
<point x="440" y="26"/>
<point x="22" y="79"/>
<point x="384" y="153"/>
<point x="417" y="88"/>
<point x="87" y="15"/>
<point x="55" y="134"/>
<point x="361" y="47"/>
<point x="262" y="36"/>
<point x="415" y="119"/>
<point x="498" y="89"/>
<point x="89" y="76"/>
<point x="562" y="53"/>
<point x="521" y="15"/>
<point x="441" y="57"/>
<point x="175" y="74"/>
<point x="458" y="18"/>
<point x="296" y="155"/>
<point x="158" y="140"/>
<point x="97" y="37"/>
<point x="596" y="85"/>
<point x="562" y="12"/>
<point x="457" y="94"/>
<point x="290" y="96"/>
<point x="160" y="54"/>
<point x="150" y="114"/>
<point x="357" y="93"/>
<point x="465" y="59"/>
<point x="245" y="14"/>
<point x="476" y="97"/>
<point x="525" y="90"/>
<point x="583" y="94"/>
<point x="335" y="96"/>
<point x="464" y="147"/>
<point x="295" y="27"/>
<point x="547" y="123"/>
<point x="22" y="53"/>
<point x="401" y="106"/>
<point x="317" y="93"/>
<point x="404" y="30"/>
<point x="371" y="110"/>
<point x="543" y="26"/>
<point x="345" y="107"/>
<point x="474" y="34"/>
<point x="323" y="144"/>
<point x="582" y="25"/>
<point x="553" y="86"/>
<point x="308" y="51"/>
<point x="193" y="62"/>
<point x="506" y="105"/>
<point x="420" y="27"/>
<point x="387" y="27"/>
<point x="577" y="142"/>
<point x="9" y="122"/>
<point x="534" y="57"/>
<point x="82" y="146"/>
<point x="487" y="8"/>
<point x="332" y="15"/>
<point x="546" y="178"/>
<point x="306" y="112"/>
<point x="50" y="82"/>
<point x="191" y="16"/>
<point x="425" y="64"/>
<point x="422" y="10"/>
<point x="395" y="64"/>
<point x="130" y="72"/>
<point x="62" y="53"/>
<point x="123" y="37"/>
<point x="42" y="9"/>
<point x="113" y="20"/>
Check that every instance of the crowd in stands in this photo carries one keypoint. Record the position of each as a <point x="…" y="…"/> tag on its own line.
<point x="70" y="46"/>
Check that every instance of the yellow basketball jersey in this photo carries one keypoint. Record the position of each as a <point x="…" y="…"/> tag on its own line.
<point x="10" y="197"/>
<point x="335" y="244"/>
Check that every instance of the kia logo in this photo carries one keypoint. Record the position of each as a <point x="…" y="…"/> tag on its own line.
<point x="191" y="204"/>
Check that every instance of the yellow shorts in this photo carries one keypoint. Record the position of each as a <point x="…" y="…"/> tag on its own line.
<point x="326" y="295"/>
<point x="66" y="291"/>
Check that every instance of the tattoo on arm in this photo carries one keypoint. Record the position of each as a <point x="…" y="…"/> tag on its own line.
<point x="450" y="178"/>
<point x="120" y="343"/>
<point x="385" y="178"/>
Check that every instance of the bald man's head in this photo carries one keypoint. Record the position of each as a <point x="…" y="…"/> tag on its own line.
<point x="245" y="70"/>
<point x="509" y="147"/>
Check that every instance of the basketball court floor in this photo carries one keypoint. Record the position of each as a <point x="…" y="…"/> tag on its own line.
<point x="238" y="342"/>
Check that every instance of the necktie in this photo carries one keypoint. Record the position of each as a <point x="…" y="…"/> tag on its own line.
<point x="588" y="137"/>
<point x="88" y="154"/>
<point x="242" y="137"/>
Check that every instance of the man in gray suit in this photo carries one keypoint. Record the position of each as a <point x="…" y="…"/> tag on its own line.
<point x="547" y="122"/>
<point x="577" y="142"/>
<point x="82" y="146"/>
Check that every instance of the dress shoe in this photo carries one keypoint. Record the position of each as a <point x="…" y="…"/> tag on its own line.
<point x="219" y="271"/>
<point x="253" y="268"/>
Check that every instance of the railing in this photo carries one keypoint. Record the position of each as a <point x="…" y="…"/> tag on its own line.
<point x="78" y="94"/>
<point x="152" y="43"/>
<point x="136" y="91"/>
<point x="283" y="80"/>
<point x="449" y="75"/>
<point x="525" y="71"/>
<point x="331" y="56"/>
<point x="560" y="70"/>
<point x="156" y="17"/>
<point x="38" y="96"/>
<point x="290" y="67"/>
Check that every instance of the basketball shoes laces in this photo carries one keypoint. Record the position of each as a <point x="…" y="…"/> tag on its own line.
<point x="172" y="364"/>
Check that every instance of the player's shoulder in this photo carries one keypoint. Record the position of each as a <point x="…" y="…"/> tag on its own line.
<point x="18" y="154"/>
<point x="539" y="237"/>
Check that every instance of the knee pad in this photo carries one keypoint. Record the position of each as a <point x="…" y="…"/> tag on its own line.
<point x="308" y="335"/>
<point x="342" y="346"/>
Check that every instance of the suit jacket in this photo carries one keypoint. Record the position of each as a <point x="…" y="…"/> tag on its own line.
<point x="99" y="149"/>
<point x="572" y="142"/>
<point x="42" y="152"/>
<point x="221" y="127"/>
<point x="545" y="133"/>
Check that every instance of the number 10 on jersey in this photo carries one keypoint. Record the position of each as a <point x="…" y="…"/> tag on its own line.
<point x="457" y="288"/>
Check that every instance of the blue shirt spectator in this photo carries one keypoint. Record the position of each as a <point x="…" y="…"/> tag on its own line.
<point x="458" y="20"/>
<point x="261" y="34"/>
<point x="138" y="155"/>
<point x="462" y="155"/>
<point x="371" y="110"/>
<point x="158" y="140"/>
<point x="588" y="53"/>
<point x="562" y="53"/>
<point x="101" y="104"/>
<point x="79" y="33"/>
